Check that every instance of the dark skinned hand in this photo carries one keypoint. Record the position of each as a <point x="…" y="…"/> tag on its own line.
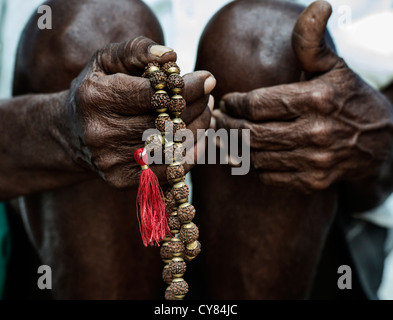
<point x="308" y="135"/>
<point x="110" y="109"/>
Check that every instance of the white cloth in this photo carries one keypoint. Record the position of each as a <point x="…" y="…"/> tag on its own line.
<point x="13" y="17"/>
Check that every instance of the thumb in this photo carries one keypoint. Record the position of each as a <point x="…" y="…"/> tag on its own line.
<point x="131" y="57"/>
<point x="308" y="39"/>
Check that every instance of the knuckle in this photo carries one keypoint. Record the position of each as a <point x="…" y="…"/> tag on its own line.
<point x="95" y="135"/>
<point x="323" y="96"/>
<point x="88" y="92"/>
<point x="324" y="160"/>
<point x="251" y="103"/>
<point x="82" y="92"/>
<point x="255" y="134"/>
<point x="321" y="133"/>
<point x="90" y="134"/>
<point x="103" y="54"/>
<point x="319" y="180"/>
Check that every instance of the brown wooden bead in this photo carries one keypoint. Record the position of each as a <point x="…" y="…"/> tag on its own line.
<point x="175" y="172"/>
<point x="170" y="201"/>
<point x="178" y="124"/>
<point x="170" y="67"/>
<point x="167" y="276"/>
<point x="169" y="294"/>
<point x="177" y="266"/>
<point x="174" y="223"/>
<point x="169" y="152"/>
<point x="174" y="152"/>
<point x="177" y="105"/>
<point x="179" y="131"/>
<point x="179" y="152"/>
<point x="192" y="250"/>
<point x="160" y="100"/>
<point x="176" y="247"/>
<point x="154" y="143"/>
<point x="166" y="252"/>
<point x="179" y="287"/>
<point x="181" y="192"/>
<point x="189" y="232"/>
<point x="162" y="120"/>
<point x="150" y="69"/>
<point x="186" y="212"/>
<point x="175" y="83"/>
<point x="158" y="80"/>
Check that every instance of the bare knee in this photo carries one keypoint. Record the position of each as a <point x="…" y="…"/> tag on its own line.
<point x="49" y="59"/>
<point x="247" y="45"/>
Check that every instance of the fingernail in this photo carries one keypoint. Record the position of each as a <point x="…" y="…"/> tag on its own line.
<point x="210" y="83"/>
<point x="222" y="106"/>
<point x="211" y="103"/>
<point x="159" y="51"/>
<point x="216" y="113"/>
<point x="234" y="162"/>
<point x="213" y="123"/>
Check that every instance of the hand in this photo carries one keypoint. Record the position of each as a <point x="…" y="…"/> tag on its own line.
<point x="311" y="134"/>
<point x="109" y="107"/>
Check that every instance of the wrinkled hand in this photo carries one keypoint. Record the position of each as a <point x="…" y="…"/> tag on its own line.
<point x="311" y="134"/>
<point x="110" y="109"/>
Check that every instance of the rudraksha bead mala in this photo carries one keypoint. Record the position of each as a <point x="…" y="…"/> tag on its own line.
<point x="181" y="242"/>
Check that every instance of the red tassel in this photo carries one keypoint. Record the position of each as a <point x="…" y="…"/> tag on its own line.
<point x="151" y="211"/>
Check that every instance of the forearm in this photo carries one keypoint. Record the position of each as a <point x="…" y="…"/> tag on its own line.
<point x="34" y="154"/>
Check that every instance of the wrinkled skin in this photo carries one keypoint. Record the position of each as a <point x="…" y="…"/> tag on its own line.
<point x="89" y="231"/>
<point x="259" y="241"/>
<point x="305" y="136"/>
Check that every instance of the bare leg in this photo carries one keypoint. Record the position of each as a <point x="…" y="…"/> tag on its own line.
<point x="258" y="242"/>
<point x="87" y="233"/>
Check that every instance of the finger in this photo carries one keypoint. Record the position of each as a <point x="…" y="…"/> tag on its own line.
<point x="196" y="108"/>
<point x="111" y="133"/>
<point x="286" y="180"/>
<point x="306" y="181"/>
<point x="132" y="56"/>
<point x="120" y="93"/>
<point x="128" y="95"/>
<point x="201" y="123"/>
<point x="279" y="103"/>
<point x="308" y="39"/>
<point x="266" y="136"/>
<point x="278" y="161"/>
<point x="197" y="84"/>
